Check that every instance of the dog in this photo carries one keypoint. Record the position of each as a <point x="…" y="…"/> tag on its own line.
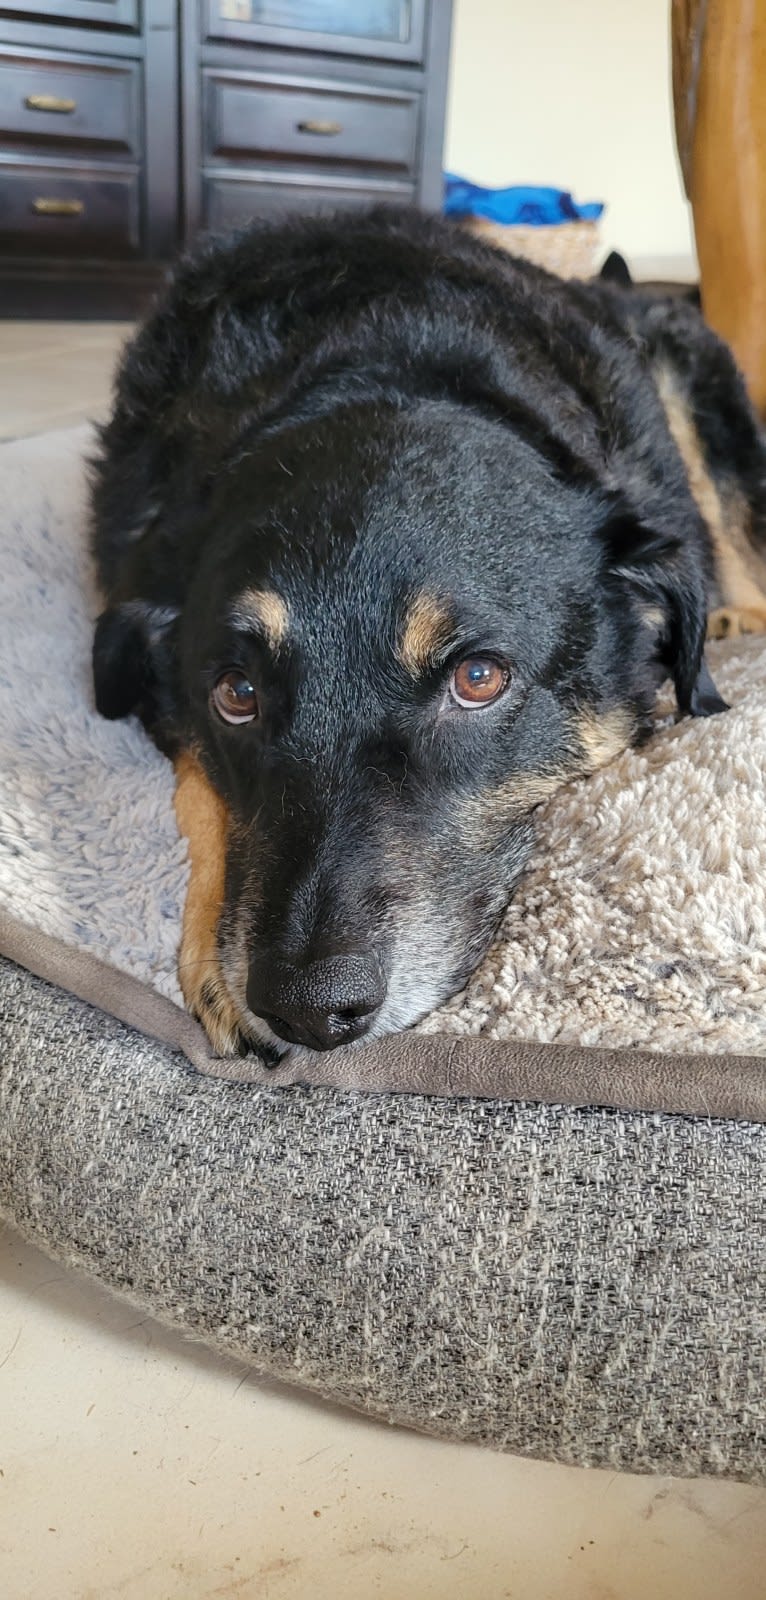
<point x="397" y="534"/>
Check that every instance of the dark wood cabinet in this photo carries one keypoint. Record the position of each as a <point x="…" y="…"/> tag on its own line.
<point x="126" y="126"/>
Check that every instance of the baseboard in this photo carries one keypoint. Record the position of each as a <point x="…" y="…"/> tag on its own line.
<point x="87" y="291"/>
<point x="664" y="269"/>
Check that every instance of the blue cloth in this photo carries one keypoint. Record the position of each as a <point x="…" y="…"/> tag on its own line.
<point x="517" y="204"/>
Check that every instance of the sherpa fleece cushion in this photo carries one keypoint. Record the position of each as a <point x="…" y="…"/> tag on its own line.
<point x="640" y="928"/>
<point x="582" y="1284"/>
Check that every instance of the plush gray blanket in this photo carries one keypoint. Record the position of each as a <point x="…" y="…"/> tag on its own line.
<point x="640" y="928"/>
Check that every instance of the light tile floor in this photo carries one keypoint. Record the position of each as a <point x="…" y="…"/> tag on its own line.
<point x="137" y="1466"/>
<point x="55" y="374"/>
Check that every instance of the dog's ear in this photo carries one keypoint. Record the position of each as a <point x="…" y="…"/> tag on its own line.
<point x="616" y="270"/>
<point x="667" y="573"/>
<point x="133" y="661"/>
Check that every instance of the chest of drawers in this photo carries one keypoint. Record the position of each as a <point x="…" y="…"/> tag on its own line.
<point x="127" y="126"/>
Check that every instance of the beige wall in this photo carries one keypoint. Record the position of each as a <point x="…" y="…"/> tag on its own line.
<point x="574" y="93"/>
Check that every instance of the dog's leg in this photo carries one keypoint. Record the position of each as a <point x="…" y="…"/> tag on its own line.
<point x="739" y="590"/>
<point x="740" y="572"/>
<point x="204" y="822"/>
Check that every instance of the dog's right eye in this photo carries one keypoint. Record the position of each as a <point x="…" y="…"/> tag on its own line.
<point x="234" y="698"/>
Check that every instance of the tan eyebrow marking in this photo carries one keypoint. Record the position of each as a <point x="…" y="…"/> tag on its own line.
<point x="427" y="629"/>
<point x="264" y="609"/>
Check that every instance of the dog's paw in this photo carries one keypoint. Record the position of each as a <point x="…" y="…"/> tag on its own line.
<point x="230" y="1031"/>
<point x="729" y="622"/>
<point x="209" y="1001"/>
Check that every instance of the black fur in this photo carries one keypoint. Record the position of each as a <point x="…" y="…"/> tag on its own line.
<point x="351" y="411"/>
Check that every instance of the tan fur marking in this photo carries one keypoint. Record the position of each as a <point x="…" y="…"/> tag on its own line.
<point x="603" y="736"/>
<point x="485" y="817"/>
<point x="738" y="564"/>
<point x="267" y="610"/>
<point x="204" y="823"/>
<point x="426" y="630"/>
<point x="530" y="789"/>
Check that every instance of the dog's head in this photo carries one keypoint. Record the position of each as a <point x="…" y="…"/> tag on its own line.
<point x="403" y="630"/>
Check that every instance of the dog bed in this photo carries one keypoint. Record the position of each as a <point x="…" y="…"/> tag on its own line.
<point x="524" y="1248"/>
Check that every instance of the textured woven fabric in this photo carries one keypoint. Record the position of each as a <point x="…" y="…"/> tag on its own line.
<point x="582" y="1285"/>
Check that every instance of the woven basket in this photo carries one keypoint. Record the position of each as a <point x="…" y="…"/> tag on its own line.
<point x="566" y="248"/>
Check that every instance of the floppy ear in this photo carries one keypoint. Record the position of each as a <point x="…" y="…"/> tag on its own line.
<point x="668" y="573"/>
<point x="133" y="661"/>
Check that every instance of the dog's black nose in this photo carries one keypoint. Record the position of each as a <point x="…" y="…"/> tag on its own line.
<point x="322" y="1005"/>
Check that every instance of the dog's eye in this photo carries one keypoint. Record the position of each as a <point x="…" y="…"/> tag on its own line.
<point x="234" y="698"/>
<point x="478" y="681"/>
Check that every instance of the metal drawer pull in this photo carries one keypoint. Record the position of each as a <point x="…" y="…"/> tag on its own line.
<point x="325" y="128"/>
<point x="49" y="102"/>
<point x="58" y="208"/>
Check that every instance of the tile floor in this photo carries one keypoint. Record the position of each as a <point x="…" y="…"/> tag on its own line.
<point x="138" y="1466"/>
<point x="54" y="374"/>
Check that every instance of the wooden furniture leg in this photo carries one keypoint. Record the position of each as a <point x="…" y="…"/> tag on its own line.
<point x="719" y="85"/>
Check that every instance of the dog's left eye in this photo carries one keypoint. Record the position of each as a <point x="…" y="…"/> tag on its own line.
<point x="234" y="698"/>
<point x="478" y="680"/>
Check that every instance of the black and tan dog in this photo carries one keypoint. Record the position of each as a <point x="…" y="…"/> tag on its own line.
<point x="397" y="534"/>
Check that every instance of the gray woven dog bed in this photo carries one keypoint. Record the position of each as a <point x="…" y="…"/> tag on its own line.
<point x="585" y="1285"/>
<point x="469" y="1256"/>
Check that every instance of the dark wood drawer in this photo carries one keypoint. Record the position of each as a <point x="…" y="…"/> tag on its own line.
<point x="308" y="125"/>
<point x="229" y="201"/>
<point x="109" y="13"/>
<point x="45" y="211"/>
<point x="53" y="104"/>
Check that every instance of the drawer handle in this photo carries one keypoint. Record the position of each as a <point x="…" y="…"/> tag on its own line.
<point x="326" y="129"/>
<point x="49" y="102"/>
<point x="58" y="208"/>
